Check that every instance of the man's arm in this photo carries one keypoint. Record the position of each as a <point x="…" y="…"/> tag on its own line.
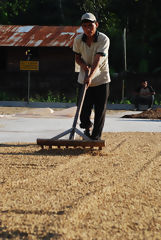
<point x="151" y="90"/>
<point x="93" y="69"/>
<point x="150" y="93"/>
<point x="81" y="62"/>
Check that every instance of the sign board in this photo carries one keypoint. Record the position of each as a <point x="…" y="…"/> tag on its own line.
<point x="29" y="65"/>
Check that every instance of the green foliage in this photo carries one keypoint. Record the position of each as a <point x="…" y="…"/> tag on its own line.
<point x="143" y="67"/>
<point x="4" y="96"/>
<point x="157" y="100"/>
<point x="50" y="97"/>
<point x="143" y="23"/>
<point x="12" y="8"/>
<point x="125" y="101"/>
<point x="39" y="12"/>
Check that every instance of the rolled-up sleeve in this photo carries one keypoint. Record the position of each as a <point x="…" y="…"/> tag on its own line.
<point x="76" y="46"/>
<point x="103" y="47"/>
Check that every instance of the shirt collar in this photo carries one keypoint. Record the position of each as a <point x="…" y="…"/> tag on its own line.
<point x="84" y="37"/>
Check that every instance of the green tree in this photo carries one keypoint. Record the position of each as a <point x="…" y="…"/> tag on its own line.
<point x="12" y="8"/>
<point x="142" y="21"/>
<point x="39" y="12"/>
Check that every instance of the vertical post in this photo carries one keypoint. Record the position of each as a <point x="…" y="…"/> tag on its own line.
<point x="28" y="88"/>
<point x="125" y="63"/>
<point x="28" y="80"/>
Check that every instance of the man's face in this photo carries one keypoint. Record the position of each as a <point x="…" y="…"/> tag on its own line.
<point x="90" y="28"/>
<point x="145" y="84"/>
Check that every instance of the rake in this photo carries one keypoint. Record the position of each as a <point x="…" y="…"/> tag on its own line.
<point x="58" y="141"/>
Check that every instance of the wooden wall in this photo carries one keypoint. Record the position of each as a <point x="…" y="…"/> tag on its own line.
<point x="57" y="74"/>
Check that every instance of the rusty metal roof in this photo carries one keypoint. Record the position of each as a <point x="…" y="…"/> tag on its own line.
<point x="38" y="36"/>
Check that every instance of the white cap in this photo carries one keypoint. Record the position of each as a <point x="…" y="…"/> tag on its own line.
<point x="88" y="16"/>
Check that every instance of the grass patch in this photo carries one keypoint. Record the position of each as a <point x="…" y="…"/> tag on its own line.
<point x="57" y="97"/>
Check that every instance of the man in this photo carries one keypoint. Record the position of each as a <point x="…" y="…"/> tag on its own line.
<point x="144" y="95"/>
<point x="91" y="54"/>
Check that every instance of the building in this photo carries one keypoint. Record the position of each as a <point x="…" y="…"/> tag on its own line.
<point x="51" y="46"/>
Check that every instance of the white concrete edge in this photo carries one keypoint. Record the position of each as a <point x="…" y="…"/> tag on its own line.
<point x="62" y="105"/>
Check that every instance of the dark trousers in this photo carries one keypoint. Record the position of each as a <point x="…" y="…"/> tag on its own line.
<point x="96" y="97"/>
<point x="149" y="100"/>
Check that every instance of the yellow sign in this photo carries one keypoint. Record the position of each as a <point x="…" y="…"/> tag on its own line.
<point x="29" y="65"/>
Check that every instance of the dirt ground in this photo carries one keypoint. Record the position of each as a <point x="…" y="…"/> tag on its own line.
<point x="82" y="194"/>
<point x="70" y="112"/>
<point x="45" y="112"/>
<point x="151" y="114"/>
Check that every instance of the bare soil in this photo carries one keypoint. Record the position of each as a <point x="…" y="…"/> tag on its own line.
<point x="82" y="194"/>
<point x="70" y="112"/>
<point x="151" y="114"/>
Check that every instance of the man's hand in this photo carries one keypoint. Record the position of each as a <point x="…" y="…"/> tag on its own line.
<point x="86" y="68"/>
<point x="92" y="69"/>
<point x="81" y="63"/>
<point x="87" y="81"/>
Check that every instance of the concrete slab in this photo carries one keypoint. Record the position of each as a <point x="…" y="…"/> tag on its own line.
<point x="27" y="129"/>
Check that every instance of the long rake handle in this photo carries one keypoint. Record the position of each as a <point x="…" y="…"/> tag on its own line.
<point x="80" y="104"/>
<point x="79" y="107"/>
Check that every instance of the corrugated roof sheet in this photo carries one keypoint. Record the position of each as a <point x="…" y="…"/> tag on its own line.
<point x="38" y="36"/>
